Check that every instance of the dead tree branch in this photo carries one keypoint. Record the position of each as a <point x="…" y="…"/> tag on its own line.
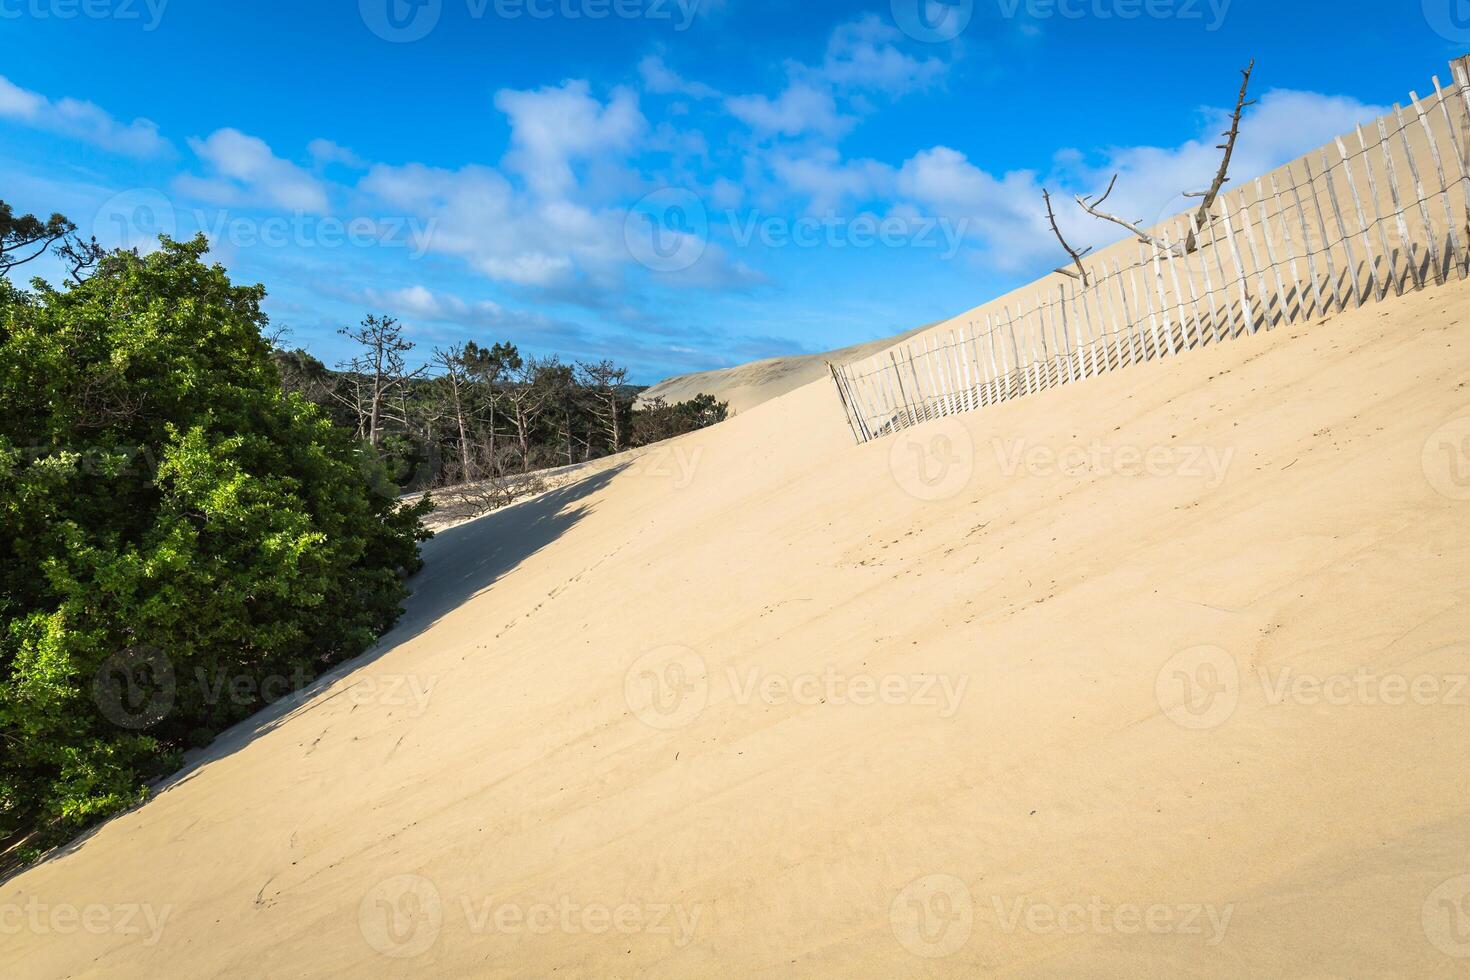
<point x="1094" y="208"/>
<point x="1081" y="272"/>
<point x="1222" y="177"/>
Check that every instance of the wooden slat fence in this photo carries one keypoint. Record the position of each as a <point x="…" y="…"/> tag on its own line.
<point x="1375" y="213"/>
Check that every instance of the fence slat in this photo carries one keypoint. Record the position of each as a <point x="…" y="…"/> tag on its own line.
<point x="1322" y="230"/>
<point x="1181" y="312"/>
<point x="1282" y="313"/>
<point x="1219" y="254"/>
<point x="1398" y="204"/>
<point x="1262" y="290"/>
<point x="1444" y="186"/>
<point x="1462" y="250"/>
<point x="1372" y="263"/>
<point x="1395" y="281"/>
<point x="1245" y="297"/>
<point x="1319" y="307"/>
<point x="1423" y="198"/>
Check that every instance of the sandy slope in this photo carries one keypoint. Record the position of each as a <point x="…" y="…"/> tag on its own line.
<point x="748" y="385"/>
<point x="1055" y="781"/>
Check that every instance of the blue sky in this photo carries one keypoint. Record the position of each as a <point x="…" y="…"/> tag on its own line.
<point x="676" y="184"/>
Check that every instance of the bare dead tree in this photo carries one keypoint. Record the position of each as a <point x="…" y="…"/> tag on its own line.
<point x="1081" y="272"/>
<point x="381" y="370"/>
<point x="604" y="382"/>
<point x="527" y="398"/>
<point x="455" y="381"/>
<point x="1222" y="176"/>
<point x="1094" y="208"/>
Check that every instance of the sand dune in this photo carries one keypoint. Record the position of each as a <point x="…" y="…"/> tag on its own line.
<point x="748" y="385"/>
<point x="1159" y="674"/>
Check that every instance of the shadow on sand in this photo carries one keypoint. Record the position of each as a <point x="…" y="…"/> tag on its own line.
<point x="459" y="563"/>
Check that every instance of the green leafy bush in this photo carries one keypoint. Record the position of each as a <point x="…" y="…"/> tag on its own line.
<point x="179" y="538"/>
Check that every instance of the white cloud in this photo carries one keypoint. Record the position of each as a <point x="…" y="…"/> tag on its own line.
<point x="519" y="239"/>
<point x="1005" y="214"/>
<point x="660" y="79"/>
<point x="864" y="55"/>
<point x="556" y="126"/>
<point x="81" y="120"/>
<point x="324" y="152"/>
<point x="826" y="181"/>
<point x="801" y="108"/>
<point x="246" y="171"/>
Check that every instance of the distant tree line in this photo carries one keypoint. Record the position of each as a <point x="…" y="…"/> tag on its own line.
<point x="482" y="413"/>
